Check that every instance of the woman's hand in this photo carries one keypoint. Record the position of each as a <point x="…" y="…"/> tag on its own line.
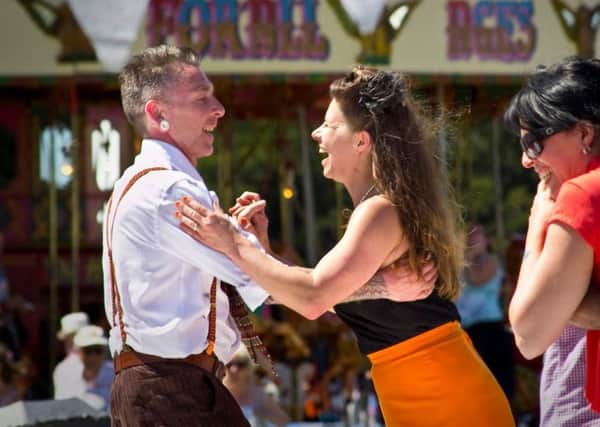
<point x="211" y="227"/>
<point x="249" y="211"/>
<point x="541" y="209"/>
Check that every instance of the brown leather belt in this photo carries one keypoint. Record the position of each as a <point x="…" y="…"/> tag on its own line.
<point x="129" y="358"/>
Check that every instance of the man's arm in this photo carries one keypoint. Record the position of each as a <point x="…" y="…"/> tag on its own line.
<point x="174" y="241"/>
<point x="587" y="315"/>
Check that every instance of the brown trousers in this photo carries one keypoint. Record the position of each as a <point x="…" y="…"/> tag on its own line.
<point x="172" y="394"/>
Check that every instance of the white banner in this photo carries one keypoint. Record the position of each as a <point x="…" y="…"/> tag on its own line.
<point x="112" y="26"/>
<point x="365" y="14"/>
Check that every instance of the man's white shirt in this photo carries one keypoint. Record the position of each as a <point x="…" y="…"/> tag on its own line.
<point x="164" y="275"/>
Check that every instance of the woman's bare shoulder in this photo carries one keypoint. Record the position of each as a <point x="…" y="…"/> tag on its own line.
<point x="376" y="205"/>
<point x="381" y="227"/>
<point x="378" y="213"/>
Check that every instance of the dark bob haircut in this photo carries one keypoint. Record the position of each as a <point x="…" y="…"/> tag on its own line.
<point x="558" y="96"/>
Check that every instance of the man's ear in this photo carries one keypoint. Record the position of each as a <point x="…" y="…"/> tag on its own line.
<point x="363" y="141"/>
<point x="152" y="111"/>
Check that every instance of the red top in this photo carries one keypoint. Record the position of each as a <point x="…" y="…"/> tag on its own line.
<point x="578" y="206"/>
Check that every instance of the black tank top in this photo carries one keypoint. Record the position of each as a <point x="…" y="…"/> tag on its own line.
<point x="380" y="323"/>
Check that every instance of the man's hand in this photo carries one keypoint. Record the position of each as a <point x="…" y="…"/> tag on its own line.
<point x="403" y="284"/>
<point x="398" y="283"/>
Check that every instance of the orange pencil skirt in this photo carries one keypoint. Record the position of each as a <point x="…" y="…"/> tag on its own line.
<point x="437" y="379"/>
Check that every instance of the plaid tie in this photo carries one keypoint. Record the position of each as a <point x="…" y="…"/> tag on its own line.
<point x="239" y="312"/>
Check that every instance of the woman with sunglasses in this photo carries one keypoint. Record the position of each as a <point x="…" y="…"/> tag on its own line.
<point x="557" y="115"/>
<point x="376" y="143"/>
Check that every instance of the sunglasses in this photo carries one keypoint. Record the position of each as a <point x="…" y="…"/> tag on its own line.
<point x="532" y="142"/>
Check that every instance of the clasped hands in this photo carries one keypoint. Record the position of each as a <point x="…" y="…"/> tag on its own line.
<point x="215" y="229"/>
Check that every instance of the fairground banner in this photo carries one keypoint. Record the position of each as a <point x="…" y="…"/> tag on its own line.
<point x="298" y="36"/>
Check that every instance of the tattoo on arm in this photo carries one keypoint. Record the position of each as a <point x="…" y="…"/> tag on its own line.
<point x="375" y="288"/>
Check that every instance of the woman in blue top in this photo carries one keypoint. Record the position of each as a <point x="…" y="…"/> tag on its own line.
<point x="481" y="308"/>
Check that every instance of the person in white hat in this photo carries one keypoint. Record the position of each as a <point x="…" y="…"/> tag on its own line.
<point x="92" y="384"/>
<point x="67" y="368"/>
<point x="69" y="325"/>
<point x="256" y="396"/>
<point x="91" y="379"/>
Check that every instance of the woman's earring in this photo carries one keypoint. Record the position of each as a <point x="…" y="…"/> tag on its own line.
<point x="586" y="150"/>
<point x="164" y="125"/>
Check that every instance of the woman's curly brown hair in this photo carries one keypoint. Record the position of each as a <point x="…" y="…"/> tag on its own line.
<point x="407" y="168"/>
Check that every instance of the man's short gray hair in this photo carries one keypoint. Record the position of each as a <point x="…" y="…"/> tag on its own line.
<point x="147" y="75"/>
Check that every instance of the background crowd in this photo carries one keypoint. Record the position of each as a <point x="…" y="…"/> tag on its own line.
<point x="321" y="374"/>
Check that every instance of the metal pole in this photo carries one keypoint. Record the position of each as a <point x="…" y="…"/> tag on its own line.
<point x="53" y="252"/>
<point x="309" y="197"/>
<point x="75" y="213"/>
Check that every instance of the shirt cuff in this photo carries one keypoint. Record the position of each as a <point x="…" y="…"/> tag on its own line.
<point x="253" y="295"/>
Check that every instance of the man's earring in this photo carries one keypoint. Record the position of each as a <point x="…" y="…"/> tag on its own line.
<point x="164" y="125"/>
<point x="586" y="150"/>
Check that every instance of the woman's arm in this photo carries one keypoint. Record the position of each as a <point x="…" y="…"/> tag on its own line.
<point x="552" y="283"/>
<point x="396" y="282"/>
<point x="372" y="233"/>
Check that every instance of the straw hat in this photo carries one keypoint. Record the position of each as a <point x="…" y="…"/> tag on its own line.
<point x="90" y="335"/>
<point x="71" y="323"/>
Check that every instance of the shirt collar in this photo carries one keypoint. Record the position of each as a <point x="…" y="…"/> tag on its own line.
<point x="160" y="150"/>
